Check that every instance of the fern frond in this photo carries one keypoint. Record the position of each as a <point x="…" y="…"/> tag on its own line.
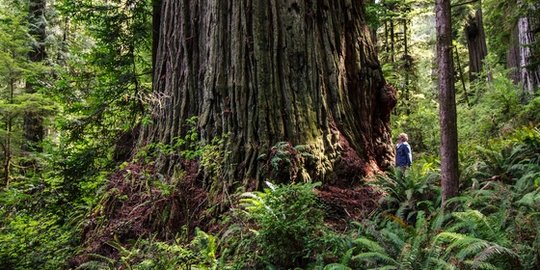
<point x="375" y="257"/>
<point x="405" y="257"/>
<point x="474" y="219"/>
<point x="368" y="244"/>
<point x="457" y="240"/>
<point x="438" y="220"/>
<point x="494" y="250"/>
<point x="93" y="265"/>
<point x="346" y="258"/>
<point x="336" y="266"/>
<point x="531" y="199"/>
<point x="482" y="265"/>
<point x="473" y="247"/>
<point x="438" y="263"/>
<point x="391" y="240"/>
<point x="104" y="259"/>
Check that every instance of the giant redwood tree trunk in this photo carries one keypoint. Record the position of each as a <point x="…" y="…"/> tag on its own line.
<point x="263" y="72"/>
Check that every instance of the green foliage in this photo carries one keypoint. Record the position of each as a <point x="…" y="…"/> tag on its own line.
<point x="29" y="241"/>
<point x="16" y="71"/>
<point x="505" y="191"/>
<point x="93" y="88"/>
<point x="289" y="163"/>
<point x="209" y="154"/>
<point x="188" y="147"/>
<point x="477" y="242"/>
<point x="411" y="191"/>
<point x="147" y="254"/>
<point x="500" y="20"/>
<point x="285" y="226"/>
<point x="494" y="227"/>
<point x="50" y="192"/>
<point x="424" y="114"/>
<point x="496" y="106"/>
<point x="400" y="246"/>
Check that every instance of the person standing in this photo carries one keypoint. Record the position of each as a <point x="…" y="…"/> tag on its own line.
<point x="403" y="152"/>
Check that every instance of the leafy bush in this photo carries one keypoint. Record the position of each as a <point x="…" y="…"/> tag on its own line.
<point x="146" y="254"/>
<point x="408" y="192"/>
<point x="494" y="111"/>
<point x="474" y="241"/>
<point x="392" y="244"/>
<point x="286" y="226"/>
<point x="35" y="242"/>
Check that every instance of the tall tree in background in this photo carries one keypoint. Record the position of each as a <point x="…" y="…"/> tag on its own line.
<point x="33" y="121"/>
<point x="14" y="67"/>
<point x="476" y="43"/>
<point x="529" y="73"/>
<point x="393" y="17"/>
<point x="264" y="72"/>
<point x="522" y="43"/>
<point x="447" y="106"/>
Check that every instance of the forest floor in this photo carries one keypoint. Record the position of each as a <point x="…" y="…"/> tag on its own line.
<point x="135" y="206"/>
<point x="344" y="205"/>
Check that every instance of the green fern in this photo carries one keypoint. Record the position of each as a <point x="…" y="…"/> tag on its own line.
<point x="399" y="246"/>
<point x="474" y="239"/>
<point x="94" y="265"/>
<point x="336" y="266"/>
<point x="286" y="224"/>
<point x="409" y="192"/>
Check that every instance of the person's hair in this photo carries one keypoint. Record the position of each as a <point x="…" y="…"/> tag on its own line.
<point x="403" y="137"/>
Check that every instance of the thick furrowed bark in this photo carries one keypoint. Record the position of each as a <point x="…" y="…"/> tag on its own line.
<point x="262" y="72"/>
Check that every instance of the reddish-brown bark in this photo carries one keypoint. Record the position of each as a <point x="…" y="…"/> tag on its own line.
<point x="447" y="100"/>
<point x="302" y="72"/>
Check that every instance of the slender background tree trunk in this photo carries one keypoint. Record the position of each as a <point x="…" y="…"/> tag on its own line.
<point x="461" y="76"/>
<point x="262" y="72"/>
<point x="447" y="106"/>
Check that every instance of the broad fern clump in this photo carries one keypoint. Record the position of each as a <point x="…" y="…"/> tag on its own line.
<point x="474" y="241"/>
<point x="411" y="191"/>
<point x="285" y="222"/>
<point x="397" y="245"/>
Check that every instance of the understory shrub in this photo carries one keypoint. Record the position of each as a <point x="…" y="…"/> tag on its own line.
<point x="282" y="227"/>
<point x="410" y="191"/>
<point x="152" y="254"/>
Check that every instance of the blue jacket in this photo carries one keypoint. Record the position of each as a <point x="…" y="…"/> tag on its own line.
<point x="403" y="155"/>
